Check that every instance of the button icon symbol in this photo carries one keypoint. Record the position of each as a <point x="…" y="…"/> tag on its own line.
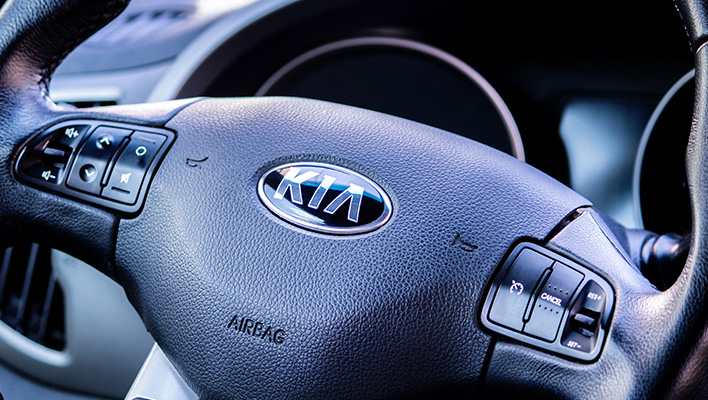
<point x="71" y="132"/>
<point x="574" y="345"/>
<point x="125" y="178"/>
<point x="463" y="245"/>
<point x="193" y="163"/>
<point x="104" y="142"/>
<point x="594" y="296"/>
<point x="47" y="175"/>
<point x="87" y="173"/>
<point x="551" y="299"/>
<point x="516" y="287"/>
<point x="140" y="151"/>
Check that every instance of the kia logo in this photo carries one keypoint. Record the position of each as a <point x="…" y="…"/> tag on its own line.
<point x="324" y="198"/>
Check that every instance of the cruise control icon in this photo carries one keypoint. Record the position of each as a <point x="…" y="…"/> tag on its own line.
<point x="516" y="287"/>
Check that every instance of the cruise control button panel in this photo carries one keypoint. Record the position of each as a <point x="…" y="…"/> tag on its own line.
<point x="105" y="163"/>
<point x="549" y="301"/>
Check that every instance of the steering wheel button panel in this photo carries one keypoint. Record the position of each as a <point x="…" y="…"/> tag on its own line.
<point x="104" y="163"/>
<point x="556" y="304"/>
<point x="132" y="164"/>
<point x="93" y="158"/>
<point x="552" y="301"/>
<point x="515" y="291"/>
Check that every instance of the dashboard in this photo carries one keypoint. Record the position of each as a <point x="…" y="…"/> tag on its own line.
<point x="562" y="91"/>
<point x="591" y="96"/>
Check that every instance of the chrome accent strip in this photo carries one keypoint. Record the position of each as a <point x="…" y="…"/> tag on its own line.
<point x="517" y="146"/>
<point x="29" y="273"/>
<point x="4" y="270"/>
<point x="639" y="158"/>
<point x="158" y="379"/>
<point x="47" y="306"/>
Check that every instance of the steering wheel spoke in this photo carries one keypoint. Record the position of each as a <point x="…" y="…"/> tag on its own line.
<point x="43" y="199"/>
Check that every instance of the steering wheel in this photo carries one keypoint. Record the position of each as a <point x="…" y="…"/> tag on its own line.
<point x="291" y="248"/>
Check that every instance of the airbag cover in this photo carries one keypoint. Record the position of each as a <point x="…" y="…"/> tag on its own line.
<point x="247" y="305"/>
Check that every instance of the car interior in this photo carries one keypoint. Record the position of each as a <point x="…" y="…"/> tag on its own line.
<point x="228" y="199"/>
